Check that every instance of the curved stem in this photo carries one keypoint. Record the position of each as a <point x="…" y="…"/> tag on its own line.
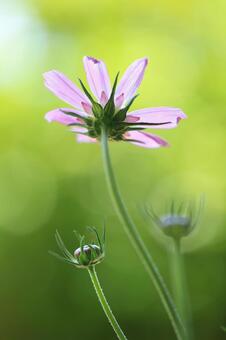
<point x="137" y="242"/>
<point x="179" y="286"/>
<point x="104" y="304"/>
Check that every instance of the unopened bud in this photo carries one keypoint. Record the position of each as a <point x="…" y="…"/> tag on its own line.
<point x="175" y="226"/>
<point x="179" y="222"/>
<point x="88" y="255"/>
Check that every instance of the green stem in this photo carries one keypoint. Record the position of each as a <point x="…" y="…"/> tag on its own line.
<point x="180" y="288"/>
<point x="104" y="304"/>
<point x="137" y="242"/>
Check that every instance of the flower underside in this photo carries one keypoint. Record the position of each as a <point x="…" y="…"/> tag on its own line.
<point x="108" y="108"/>
<point x="108" y="117"/>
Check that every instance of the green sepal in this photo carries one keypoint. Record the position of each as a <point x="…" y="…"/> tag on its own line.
<point x="104" y="237"/>
<point x="62" y="247"/>
<point x="132" y="140"/>
<point x="86" y="255"/>
<point x="73" y="114"/>
<point x="94" y="254"/>
<point x="62" y="258"/>
<point x="83" y="259"/>
<point x="135" y="128"/>
<point x="143" y="124"/>
<point x="109" y="108"/>
<point x="96" y="107"/>
<point x="93" y="229"/>
<point x="86" y="92"/>
<point x="97" y="110"/>
<point x="82" y="244"/>
<point x="121" y="114"/>
<point x="77" y="124"/>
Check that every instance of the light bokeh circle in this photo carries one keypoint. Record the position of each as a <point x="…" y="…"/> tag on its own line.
<point x="27" y="192"/>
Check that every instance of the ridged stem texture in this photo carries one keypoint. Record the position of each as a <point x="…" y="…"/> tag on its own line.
<point x="104" y="303"/>
<point x="137" y="241"/>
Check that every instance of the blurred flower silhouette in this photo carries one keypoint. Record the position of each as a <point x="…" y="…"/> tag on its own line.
<point x="180" y="220"/>
<point x="109" y="109"/>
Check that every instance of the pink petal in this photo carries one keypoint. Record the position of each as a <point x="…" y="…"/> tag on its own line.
<point x="168" y="115"/>
<point x="119" y="101"/>
<point x="65" y="89"/>
<point x="145" y="140"/>
<point x="85" y="139"/>
<point x="131" y="79"/>
<point x="87" y="108"/>
<point x="132" y="119"/>
<point x="103" y="99"/>
<point x="58" y="116"/>
<point x="97" y="77"/>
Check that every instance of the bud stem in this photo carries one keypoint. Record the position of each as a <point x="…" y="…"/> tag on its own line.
<point x="104" y="303"/>
<point x="137" y="241"/>
<point x="179" y="286"/>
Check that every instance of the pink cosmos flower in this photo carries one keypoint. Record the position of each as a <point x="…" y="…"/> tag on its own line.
<point x="109" y="106"/>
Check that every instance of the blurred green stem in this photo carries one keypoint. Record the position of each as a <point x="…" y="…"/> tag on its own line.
<point x="104" y="304"/>
<point x="137" y="241"/>
<point x="179" y="286"/>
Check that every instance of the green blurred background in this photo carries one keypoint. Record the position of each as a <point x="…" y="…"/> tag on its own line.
<point x="47" y="181"/>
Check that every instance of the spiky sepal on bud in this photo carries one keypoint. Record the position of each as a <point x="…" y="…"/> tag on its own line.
<point x="85" y="255"/>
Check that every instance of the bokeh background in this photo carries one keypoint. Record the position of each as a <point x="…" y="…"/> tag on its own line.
<point x="49" y="182"/>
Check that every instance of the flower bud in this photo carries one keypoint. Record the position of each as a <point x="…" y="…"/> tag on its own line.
<point x="86" y="255"/>
<point x="175" y="226"/>
<point x="179" y="222"/>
